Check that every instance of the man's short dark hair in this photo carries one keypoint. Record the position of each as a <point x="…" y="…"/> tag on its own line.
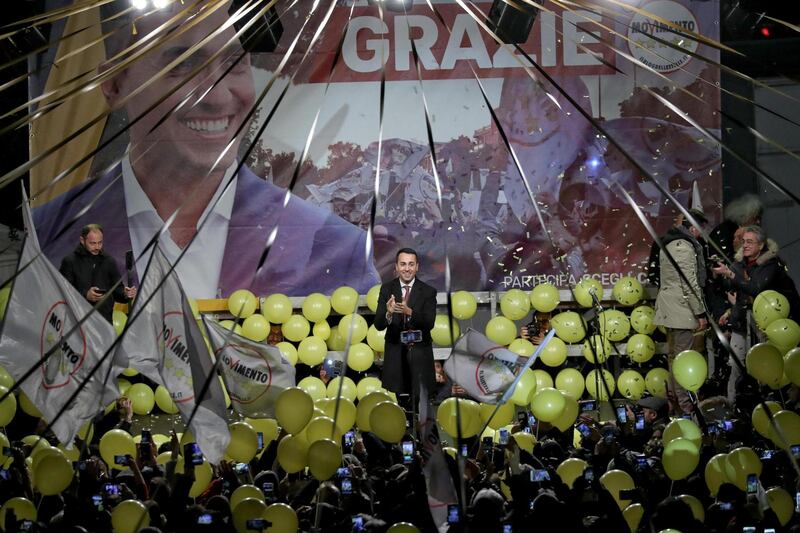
<point x="410" y="251"/>
<point x="88" y="228"/>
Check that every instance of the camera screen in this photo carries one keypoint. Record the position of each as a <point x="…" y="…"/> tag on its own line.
<point x="347" y="486"/>
<point x="452" y="514"/>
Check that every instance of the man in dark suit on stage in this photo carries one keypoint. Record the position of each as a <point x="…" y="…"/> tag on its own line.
<point x="407" y="308"/>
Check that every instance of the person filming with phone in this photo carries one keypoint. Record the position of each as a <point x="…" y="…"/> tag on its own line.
<point x="407" y="310"/>
<point x="94" y="273"/>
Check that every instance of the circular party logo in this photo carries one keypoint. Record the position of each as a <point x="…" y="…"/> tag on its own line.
<point x="62" y="347"/>
<point x="657" y="44"/>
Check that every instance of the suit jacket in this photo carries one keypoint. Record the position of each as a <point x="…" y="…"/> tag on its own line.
<point x="422" y="301"/>
<point x="314" y="250"/>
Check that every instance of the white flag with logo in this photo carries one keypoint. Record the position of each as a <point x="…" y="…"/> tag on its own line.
<point x="49" y="325"/>
<point x="163" y="341"/>
<point x="254" y="373"/>
<point x="484" y="369"/>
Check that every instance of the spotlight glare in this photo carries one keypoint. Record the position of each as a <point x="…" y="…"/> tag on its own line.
<point x="139" y="4"/>
<point x="160" y="4"/>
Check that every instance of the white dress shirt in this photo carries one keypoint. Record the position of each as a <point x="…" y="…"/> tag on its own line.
<point x="200" y="266"/>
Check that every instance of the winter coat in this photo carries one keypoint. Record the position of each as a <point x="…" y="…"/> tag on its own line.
<point x="679" y="304"/>
<point x="84" y="270"/>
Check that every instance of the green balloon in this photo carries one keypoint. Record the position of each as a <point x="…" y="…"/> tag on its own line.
<point x="641" y="348"/>
<point x="627" y="291"/>
<point x="501" y="330"/>
<point x="584" y="290"/>
<point x="642" y="319"/>
<point x="765" y="363"/>
<point x="783" y="333"/>
<point x="464" y="305"/>
<point x="442" y="333"/>
<point x="569" y="326"/>
<point x="769" y="306"/>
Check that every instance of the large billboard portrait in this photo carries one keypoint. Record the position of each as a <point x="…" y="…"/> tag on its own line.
<point x="365" y="130"/>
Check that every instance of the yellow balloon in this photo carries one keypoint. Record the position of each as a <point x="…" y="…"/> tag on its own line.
<point x="348" y="388"/>
<point x="227" y="324"/>
<point x="769" y="306"/>
<point x="360" y="357"/>
<point x="268" y="427"/>
<point x="289" y="352"/>
<point x="243" y="444"/>
<point x="640" y="348"/>
<point x="740" y="463"/>
<point x="247" y="509"/>
<point x="631" y="384"/>
<point x="503" y="416"/>
<point x="633" y="516"/>
<point x="376" y="338"/>
<point x="73" y="454"/>
<point x="783" y="333"/>
<point x="525" y="388"/>
<point x="202" y="477"/>
<point x="442" y="334"/>
<point x="765" y="363"/>
<point x="116" y="442"/>
<point x="568" y="416"/>
<point x="403" y="527"/>
<point x="119" y="319"/>
<point x="296" y="328"/>
<point x="344" y="300"/>
<point x="598" y="346"/>
<point x="595" y="387"/>
<point x="680" y="458"/>
<point x="321" y="330"/>
<point x="547" y="404"/>
<point x="5" y="378"/>
<point x="388" y="422"/>
<point x="584" y="290"/>
<point x="365" y="407"/>
<point x="245" y="491"/>
<point x="335" y="341"/>
<point x="129" y="516"/>
<point x="52" y="473"/>
<point x="715" y="474"/>
<point x="782" y="503"/>
<point x="277" y="308"/>
<point x="242" y="303"/>
<point x="544" y="297"/>
<point x="317" y="307"/>
<point x="523" y="347"/>
<point x="8" y="407"/>
<point x="501" y="330"/>
<point x="543" y="379"/>
<point x="570" y="381"/>
<point x="312" y="351"/>
<point x="282" y="517"/>
<point x="293" y="453"/>
<point x="569" y="326"/>
<point x="690" y="369"/>
<point x="449" y="412"/>
<point x="142" y="398"/>
<point x="698" y="511"/>
<point x="554" y="353"/>
<point x="23" y="509"/>
<point x="293" y="409"/>
<point x="514" y="304"/>
<point x="324" y="457"/>
<point x="255" y="327"/>
<point x="789" y="424"/>
<point x="464" y="305"/>
<point x="759" y="417"/>
<point x="615" y="481"/>
<point x="614" y="325"/>
<point x="791" y="365"/>
<point x="642" y="319"/>
<point x="683" y="429"/>
<point x="353" y="326"/>
<point x="164" y="400"/>
<point x="525" y="441"/>
<point x="656" y="382"/>
<point x="366" y="385"/>
<point x="372" y="297"/>
<point x="627" y="291"/>
<point x="322" y="427"/>
<point x="571" y="469"/>
<point x="344" y="418"/>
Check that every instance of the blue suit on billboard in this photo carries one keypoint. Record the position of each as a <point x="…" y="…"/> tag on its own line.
<point x="314" y="250"/>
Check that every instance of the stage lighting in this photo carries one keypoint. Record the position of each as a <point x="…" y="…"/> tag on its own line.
<point x="512" y="23"/>
<point x="139" y="4"/>
<point x="160" y="4"/>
